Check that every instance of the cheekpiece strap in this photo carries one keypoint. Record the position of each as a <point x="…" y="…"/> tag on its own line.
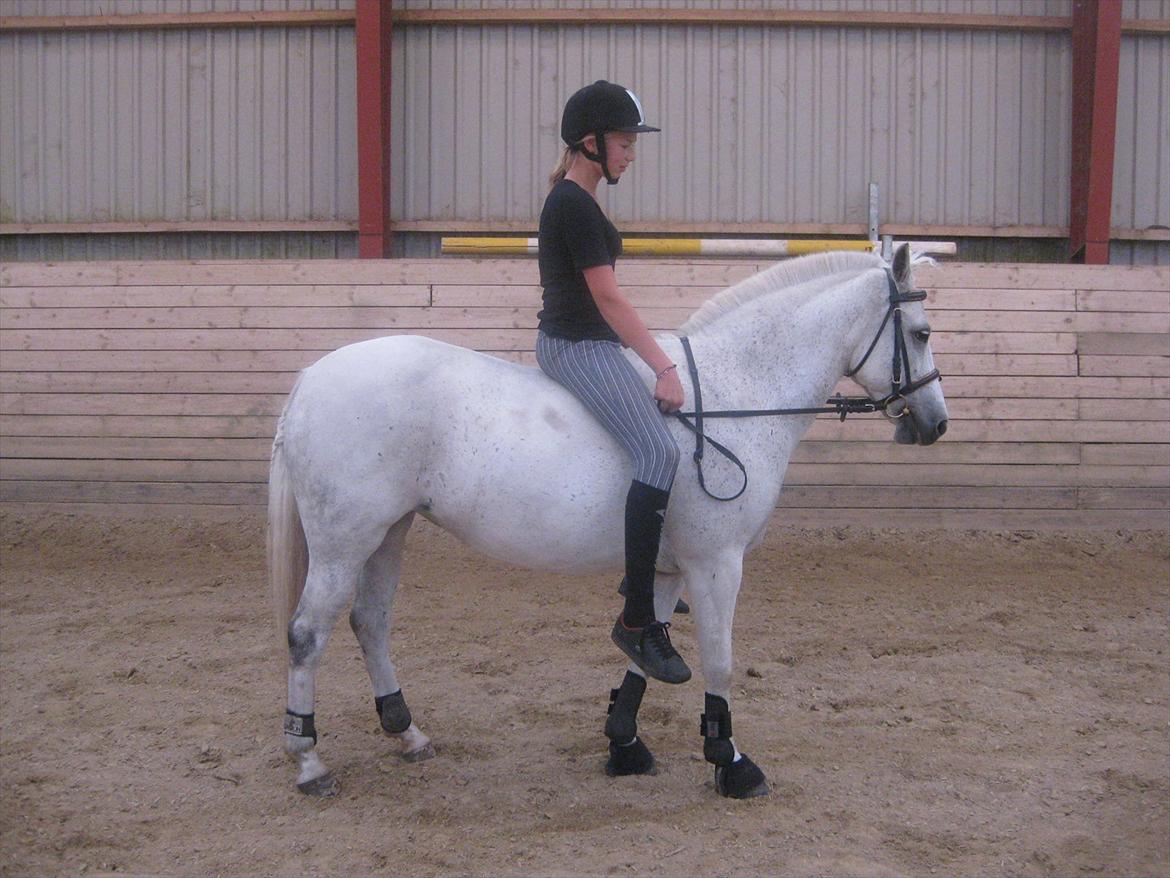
<point x="300" y="725"/>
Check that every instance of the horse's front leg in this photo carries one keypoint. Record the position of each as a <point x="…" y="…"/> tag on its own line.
<point x="714" y="585"/>
<point x="628" y="754"/>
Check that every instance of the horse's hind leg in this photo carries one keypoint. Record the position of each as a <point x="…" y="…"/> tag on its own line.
<point x="329" y="586"/>
<point x="370" y="620"/>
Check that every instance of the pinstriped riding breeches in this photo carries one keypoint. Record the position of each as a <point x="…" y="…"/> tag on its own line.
<point x="597" y="373"/>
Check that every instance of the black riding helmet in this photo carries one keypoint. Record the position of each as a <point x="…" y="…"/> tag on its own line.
<point x="596" y="109"/>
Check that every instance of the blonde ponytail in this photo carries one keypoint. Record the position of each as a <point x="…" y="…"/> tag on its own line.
<point x="562" y="168"/>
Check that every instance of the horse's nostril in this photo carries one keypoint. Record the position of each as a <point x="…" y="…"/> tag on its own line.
<point x="942" y="426"/>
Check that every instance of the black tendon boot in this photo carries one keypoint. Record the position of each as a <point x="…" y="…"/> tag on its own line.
<point x="637" y="633"/>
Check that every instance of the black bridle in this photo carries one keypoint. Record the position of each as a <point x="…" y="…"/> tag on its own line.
<point x="837" y="404"/>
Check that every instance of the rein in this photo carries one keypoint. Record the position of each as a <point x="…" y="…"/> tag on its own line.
<point x="837" y="404"/>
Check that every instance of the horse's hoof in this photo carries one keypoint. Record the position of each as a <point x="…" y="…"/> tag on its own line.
<point x="634" y="758"/>
<point x="422" y="754"/>
<point x="741" y="780"/>
<point x="322" y="787"/>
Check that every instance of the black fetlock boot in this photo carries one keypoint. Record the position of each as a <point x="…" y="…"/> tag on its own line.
<point x="628" y="754"/>
<point x="637" y="632"/>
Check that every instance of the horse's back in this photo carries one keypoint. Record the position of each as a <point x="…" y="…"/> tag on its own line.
<point x="487" y="448"/>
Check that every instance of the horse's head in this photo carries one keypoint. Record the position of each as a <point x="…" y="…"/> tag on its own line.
<point x="897" y="367"/>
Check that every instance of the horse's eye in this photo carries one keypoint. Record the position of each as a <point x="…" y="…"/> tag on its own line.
<point x="922" y="335"/>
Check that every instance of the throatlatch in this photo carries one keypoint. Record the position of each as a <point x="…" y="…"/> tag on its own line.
<point x="300" y="725"/>
<point x="393" y="713"/>
<point x="715" y="727"/>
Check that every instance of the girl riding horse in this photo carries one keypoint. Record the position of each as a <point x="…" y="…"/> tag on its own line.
<point x="585" y="322"/>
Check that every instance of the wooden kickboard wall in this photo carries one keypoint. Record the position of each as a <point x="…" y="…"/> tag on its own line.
<point x="160" y="382"/>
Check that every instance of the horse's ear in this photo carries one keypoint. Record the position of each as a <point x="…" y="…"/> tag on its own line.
<point x="902" y="264"/>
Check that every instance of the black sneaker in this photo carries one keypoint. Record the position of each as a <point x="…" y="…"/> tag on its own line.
<point x="681" y="608"/>
<point x="650" y="649"/>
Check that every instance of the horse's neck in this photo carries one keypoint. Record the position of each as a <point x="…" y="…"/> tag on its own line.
<point x="791" y="355"/>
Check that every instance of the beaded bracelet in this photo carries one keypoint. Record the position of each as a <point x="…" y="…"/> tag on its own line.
<point x="664" y="371"/>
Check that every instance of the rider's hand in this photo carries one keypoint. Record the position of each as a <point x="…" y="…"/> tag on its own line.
<point x="668" y="392"/>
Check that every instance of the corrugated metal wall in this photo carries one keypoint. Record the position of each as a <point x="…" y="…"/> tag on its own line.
<point x="1141" y="167"/>
<point x="178" y="125"/>
<point x="759" y="124"/>
<point x="779" y="125"/>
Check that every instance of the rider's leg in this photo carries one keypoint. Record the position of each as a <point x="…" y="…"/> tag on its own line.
<point x="598" y="373"/>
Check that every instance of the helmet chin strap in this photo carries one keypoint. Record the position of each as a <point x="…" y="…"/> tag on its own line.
<point x="599" y="157"/>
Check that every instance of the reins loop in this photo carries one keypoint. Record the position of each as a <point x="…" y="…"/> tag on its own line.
<point x="837" y="404"/>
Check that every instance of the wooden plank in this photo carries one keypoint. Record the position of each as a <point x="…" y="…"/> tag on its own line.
<point x="244" y="272"/>
<point x="213" y="341"/>
<point x="55" y="470"/>
<point x="1120" y="455"/>
<point x="957" y="519"/>
<point x="1001" y="364"/>
<point x="290" y="360"/>
<point x="270" y="405"/>
<point x="856" y="429"/>
<point x="1003" y="342"/>
<point x="730" y="17"/>
<point x="172" y="404"/>
<point x="523" y="271"/>
<point x="172" y="20"/>
<point x="1124" y="498"/>
<point x="529" y="295"/>
<point x="1048" y="321"/>
<point x="1124" y="409"/>
<point x="477" y="328"/>
<point x="1154" y="367"/>
<point x="39" y="274"/>
<point x="231" y="494"/>
<point x="996" y="409"/>
<point x="955" y="386"/>
<point x="209" y="426"/>
<point x="694" y="295"/>
<point x="1000" y="300"/>
<point x="161" y="361"/>
<point x="1129" y="344"/>
<point x="216" y="296"/>
<point x="1008" y="325"/>
<point x="928" y="497"/>
<point x="1155" y="301"/>
<point x="878" y="430"/>
<point x="1108" y="387"/>
<point x="1026" y="276"/>
<point x="945" y="451"/>
<point x="977" y="475"/>
<point x="132" y="448"/>
<point x="164" y="382"/>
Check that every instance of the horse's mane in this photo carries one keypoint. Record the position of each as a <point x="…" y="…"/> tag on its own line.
<point x="782" y="275"/>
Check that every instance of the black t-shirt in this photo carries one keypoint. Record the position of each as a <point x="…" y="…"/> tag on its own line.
<point x="575" y="234"/>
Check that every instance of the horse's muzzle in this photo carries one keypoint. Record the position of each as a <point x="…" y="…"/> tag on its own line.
<point x="911" y="431"/>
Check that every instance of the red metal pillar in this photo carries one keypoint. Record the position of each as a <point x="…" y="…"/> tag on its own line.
<point x="1096" y="48"/>
<point x="372" y="48"/>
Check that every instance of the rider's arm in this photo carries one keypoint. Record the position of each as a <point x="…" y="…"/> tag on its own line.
<point x="624" y="320"/>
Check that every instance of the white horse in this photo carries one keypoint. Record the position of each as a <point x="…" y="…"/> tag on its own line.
<point x="508" y="461"/>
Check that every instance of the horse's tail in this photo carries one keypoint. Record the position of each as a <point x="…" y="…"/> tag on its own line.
<point x="288" y="552"/>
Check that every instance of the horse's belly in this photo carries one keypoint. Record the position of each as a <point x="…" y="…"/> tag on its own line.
<point x="528" y="491"/>
<point x="497" y="454"/>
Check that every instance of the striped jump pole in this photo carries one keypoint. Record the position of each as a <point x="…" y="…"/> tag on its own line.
<point x="689" y="247"/>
